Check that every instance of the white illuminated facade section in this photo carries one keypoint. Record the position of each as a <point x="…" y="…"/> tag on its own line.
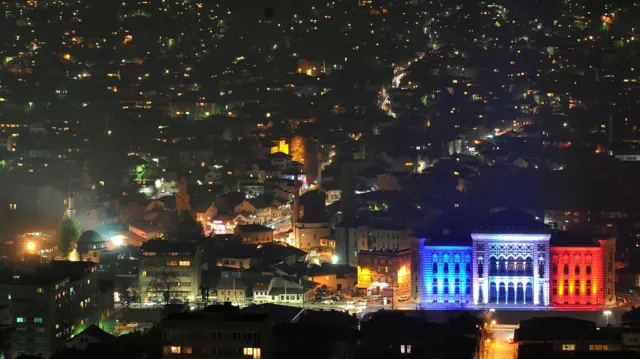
<point x="511" y="269"/>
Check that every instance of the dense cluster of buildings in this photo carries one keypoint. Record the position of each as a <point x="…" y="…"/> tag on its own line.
<point x="336" y="155"/>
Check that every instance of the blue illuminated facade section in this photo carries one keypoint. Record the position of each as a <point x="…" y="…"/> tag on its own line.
<point x="447" y="275"/>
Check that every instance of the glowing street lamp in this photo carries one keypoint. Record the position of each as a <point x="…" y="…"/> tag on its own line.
<point x="31" y="246"/>
<point x="118" y="240"/>
<point x="607" y="314"/>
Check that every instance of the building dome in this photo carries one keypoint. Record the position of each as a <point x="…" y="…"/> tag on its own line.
<point x="91" y="237"/>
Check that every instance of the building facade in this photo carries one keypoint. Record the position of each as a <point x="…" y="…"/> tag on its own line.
<point x="50" y="305"/>
<point x="583" y="275"/>
<point x="169" y="268"/>
<point x="513" y="261"/>
<point x="382" y="270"/>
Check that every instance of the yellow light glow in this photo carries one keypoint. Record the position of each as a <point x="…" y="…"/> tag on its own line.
<point x="31" y="246"/>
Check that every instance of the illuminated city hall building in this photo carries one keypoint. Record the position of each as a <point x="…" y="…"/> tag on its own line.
<point x="512" y="260"/>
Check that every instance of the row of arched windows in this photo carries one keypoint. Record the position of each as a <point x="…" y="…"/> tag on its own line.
<point x="457" y="258"/>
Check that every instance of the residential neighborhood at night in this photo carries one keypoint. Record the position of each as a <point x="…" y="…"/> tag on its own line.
<point x="330" y="179"/>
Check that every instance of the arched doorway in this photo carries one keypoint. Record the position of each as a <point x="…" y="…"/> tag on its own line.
<point x="519" y="293"/>
<point x="528" y="294"/>
<point x="511" y="293"/>
<point x="502" y="293"/>
<point x="493" y="293"/>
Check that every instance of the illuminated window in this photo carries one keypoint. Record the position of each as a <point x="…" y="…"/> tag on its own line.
<point x="38" y="320"/>
<point x="20" y="320"/>
<point x="149" y="254"/>
<point x="172" y="263"/>
<point x="598" y="348"/>
<point x="568" y="347"/>
<point x="176" y="350"/>
<point x="144" y="273"/>
<point x="255" y="353"/>
<point x="187" y="350"/>
<point x="185" y="263"/>
<point x="40" y="290"/>
<point x="13" y="206"/>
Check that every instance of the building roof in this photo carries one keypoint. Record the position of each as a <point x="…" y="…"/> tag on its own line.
<point x="166" y="246"/>
<point x="567" y="239"/>
<point x="244" y="228"/>
<point x="91" y="237"/>
<point x="277" y="313"/>
<point x="98" y="334"/>
<point x="511" y="221"/>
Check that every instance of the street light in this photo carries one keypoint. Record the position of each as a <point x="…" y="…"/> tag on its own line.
<point x="606" y="314"/>
<point x="31" y="246"/>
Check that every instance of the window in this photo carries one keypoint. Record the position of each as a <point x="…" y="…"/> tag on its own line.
<point x="144" y="273"/>
<point x="187" y="350"/>
<point x="445" y="268"/>
<point x="568" y="347"/>
<point x="435" y="268"/>
<point x="588" y="269"/>
<point x="20" y="320"/>
<point x="577" y="269"/>
<point x="185" y="263"/>
<point x="565" y="269"/>
<point x="172" y="263"/>
<point x="13" y="206"/>
<point x="38" y="320"/>
<point x="40" y="290"/>
<point x="256" y="353"/>
<point x="554" y="268"/>
<point x="598" y="348"/>
<point x="174" y="350"/>
<point x="456" y="268"/>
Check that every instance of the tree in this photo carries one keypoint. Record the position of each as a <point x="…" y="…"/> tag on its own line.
<point x="183" y="201"/>
<point x="128" y="297"/>
<point x="165" y="284"/>
<point x="67" y="236"/>
<point x="204" y="292"/>
<point x="187" y="229"/>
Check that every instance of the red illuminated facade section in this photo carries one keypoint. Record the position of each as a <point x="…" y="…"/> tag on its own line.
<point x="582" y="276"/>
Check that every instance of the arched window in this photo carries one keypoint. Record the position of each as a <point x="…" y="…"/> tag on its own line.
<point x="588" y="269"/>
<point x="445" y="268"/>
<point x="456" y="268"/>
<point x="577" y="269"/>
<point x="480" y="267"/>
<point x="520" y="265"/>
<point x="528" y="266"/>
<point x="565" y="269"/>
<point x="467" y="268"/>
<point x="511" y="265"/>
<point x="435" y="268"/>
<point x="493" y="266"/>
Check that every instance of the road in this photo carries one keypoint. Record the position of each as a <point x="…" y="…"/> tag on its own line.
<point x="501" y="347"/>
